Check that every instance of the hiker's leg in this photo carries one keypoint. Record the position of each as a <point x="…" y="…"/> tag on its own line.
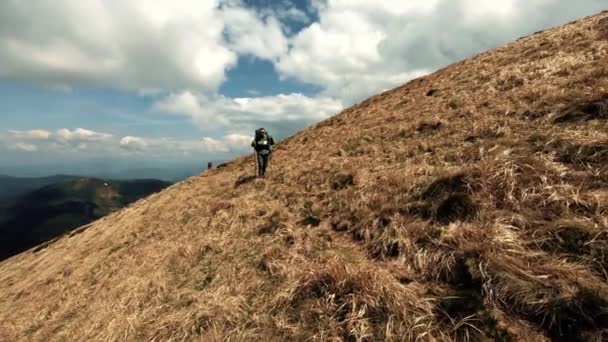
<point x="260" y="164"/>
<point x="264" y="164"/>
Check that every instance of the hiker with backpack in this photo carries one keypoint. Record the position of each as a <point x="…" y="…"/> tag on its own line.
<point x="262" y="144"/>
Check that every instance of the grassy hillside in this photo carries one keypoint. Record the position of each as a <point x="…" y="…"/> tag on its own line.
<point x="470" y="204"/>
<point x="48" y="212"/>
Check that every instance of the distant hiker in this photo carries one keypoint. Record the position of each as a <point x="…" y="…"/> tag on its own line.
<point x="262" y="144"/>
<point x="209" y="165"/>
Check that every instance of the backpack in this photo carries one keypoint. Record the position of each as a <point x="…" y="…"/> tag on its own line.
<point x="259" y="136"/>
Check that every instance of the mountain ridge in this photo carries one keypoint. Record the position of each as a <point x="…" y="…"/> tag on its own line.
<point x="469" y="204"/>
<point x="55" y="209"/>
<point x="12" y="187"/>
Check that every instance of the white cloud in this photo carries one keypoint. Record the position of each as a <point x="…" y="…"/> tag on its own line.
<point x="187" y="104"/>
<point x="35" y="134"/>
<point x="213" y="145"/>
<point x="164" y="147"/>
<point x="63" y="140"/>
<point x="39" y="134"/>
<point x="282" y="107"/>
<point x="238" y="141"/>
<point x="361" y="47"/>
<point x="140" y="45"/>
<point x="78" y="137"/>
<point x="86" y="143"/>
<point x="26" y="147"/>
<point x="505" y="9"/>
<point x="81" y="135"/>
<point x="170" y="147"/>
<point x="250" y="34"/>
<point x="357" y="48"/>
<point x="221" y="112"/>
<point x="184" y="103"/>
<point x="131" y="143"/>
<point x="343" y="54"/>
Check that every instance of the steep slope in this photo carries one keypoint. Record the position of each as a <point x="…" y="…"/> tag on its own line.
<point x="53" y="210"/>
<point x="470" y="204"/>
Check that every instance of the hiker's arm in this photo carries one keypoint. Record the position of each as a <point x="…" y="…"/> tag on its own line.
<point x="270" y="140"/>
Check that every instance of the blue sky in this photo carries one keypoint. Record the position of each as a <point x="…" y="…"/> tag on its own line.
<point x="185" y="81"/>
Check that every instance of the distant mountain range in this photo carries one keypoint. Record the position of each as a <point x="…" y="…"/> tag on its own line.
<point x="11" y="187"/>
<point x="35" y="210"/>
<point x="170" y="174"/>
<point x="110" y="169"/>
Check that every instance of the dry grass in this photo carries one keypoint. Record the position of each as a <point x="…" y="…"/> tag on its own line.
<point x="470" y="204"/>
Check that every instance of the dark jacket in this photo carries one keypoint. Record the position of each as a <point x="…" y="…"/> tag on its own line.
<point x="263" y="144"/>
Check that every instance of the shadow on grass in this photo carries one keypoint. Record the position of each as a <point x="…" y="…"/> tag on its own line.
<point x="244" y="179"/>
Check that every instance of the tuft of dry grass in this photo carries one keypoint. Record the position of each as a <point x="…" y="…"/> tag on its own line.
<point x="352" y="302"/>
<point x="486" y="220"/>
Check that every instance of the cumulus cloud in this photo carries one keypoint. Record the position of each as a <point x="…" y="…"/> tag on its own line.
<point x="35" y="134"/>
<point x="233" y="143"/>
<point x="246" y="112"/>
<point x="343" y="51"/>
<point x="25" y="141"/>
<point x="206" y="145"/>
<point x="358" y="48"/>
<point x="282" y="107"/>
<point x="140" y="45"/>
<point x="188" y="104"/>
<point x="85" y="143"/>
<point x="168" y="148"/>
<point x="26" y="147"/>
<point x="361" y="47"/>
<point x="164" y="147"/>
<point x="63" y="139"/>
<point x="238" y="141"/>
<point x="247" y="33"/>
<point x="80" y="135"/>
<point x="131" y="143"/>
<point x="213" y="145"/>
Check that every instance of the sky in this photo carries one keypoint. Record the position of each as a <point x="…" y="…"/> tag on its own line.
<point x="135" y="82"/>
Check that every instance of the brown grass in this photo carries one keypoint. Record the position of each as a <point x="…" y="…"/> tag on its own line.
<point x="470" y="204"/>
